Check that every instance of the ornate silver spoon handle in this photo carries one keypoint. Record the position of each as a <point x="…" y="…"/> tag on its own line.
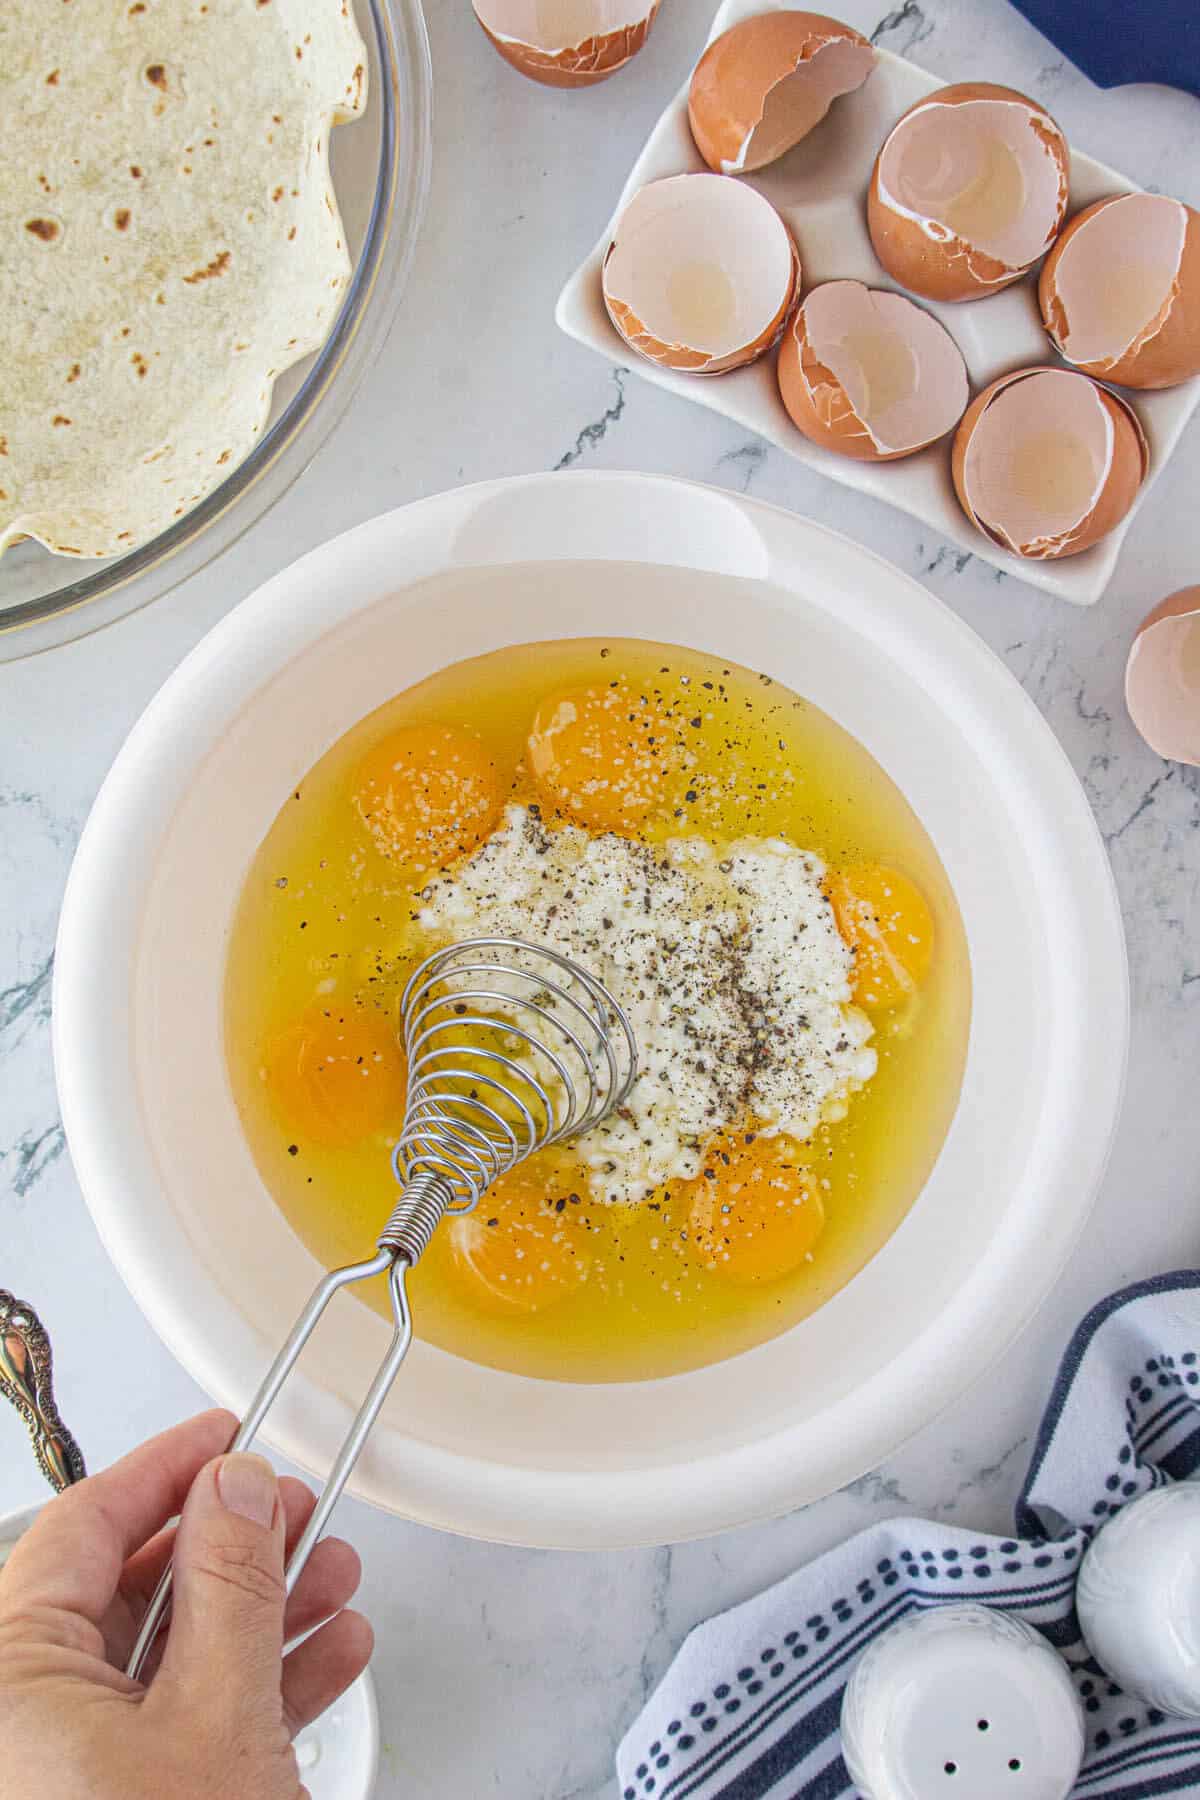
<point x="27" y="1380"/>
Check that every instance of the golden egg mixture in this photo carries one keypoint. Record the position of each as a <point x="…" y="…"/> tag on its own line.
<point x="674" y="807"/>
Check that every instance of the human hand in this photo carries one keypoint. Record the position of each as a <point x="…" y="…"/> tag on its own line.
<point x="214" y="1717"/>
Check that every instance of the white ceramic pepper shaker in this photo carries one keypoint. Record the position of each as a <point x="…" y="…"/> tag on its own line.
<point x="962" y="1703"/>
<point x="1139" y="1599"/>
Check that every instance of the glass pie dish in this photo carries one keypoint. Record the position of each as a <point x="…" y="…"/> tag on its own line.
<point x="380" y="166"/>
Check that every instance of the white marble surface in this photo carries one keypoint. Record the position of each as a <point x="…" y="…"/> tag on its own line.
<point x="504" y="1673"/>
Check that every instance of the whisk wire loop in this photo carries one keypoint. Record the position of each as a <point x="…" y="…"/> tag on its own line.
<point x="428" y="1064"/>
<point x="547" y="1043"/>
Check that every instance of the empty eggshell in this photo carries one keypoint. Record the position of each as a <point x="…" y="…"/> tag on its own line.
<point x="701" y="274"/>
<point x="1162" y="677"/>
<point x="1120" y="291"/>
<point x="1046" y="462"/>
<point x="567" y="43"/>
<point x="763" y="84"/>
<point x="868" y="374"/>
<point x="969" y="190"/>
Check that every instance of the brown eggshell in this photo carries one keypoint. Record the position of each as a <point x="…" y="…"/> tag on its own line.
<point x="602" y="42"/>
<point x="817" y="399"/>
<point x="945" y="266"/>
<point x="790" y="64"/>
<point x="1127" y="470"/>
<point x="678" y="224"/>
<point x="1167" y="349"/>
<point x="1162" y="677"/>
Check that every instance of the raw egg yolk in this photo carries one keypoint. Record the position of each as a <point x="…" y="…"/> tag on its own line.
<point x="520" y="1250"/>
<point x="337" y="1076"/>
<point x="885" y="919"/>
<point x="602" y="756"/>
<point x="427" y="794"/>
<point x="755" y="1210"/>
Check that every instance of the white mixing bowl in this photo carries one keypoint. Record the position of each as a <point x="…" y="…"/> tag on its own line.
<point x="151" y="1119"/>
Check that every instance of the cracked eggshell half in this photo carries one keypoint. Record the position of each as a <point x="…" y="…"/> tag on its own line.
<point x="568" y="44"/>
<point x="968" y="191"/>
<point x="1162" y="677"/>
<point x="763" y="84"/>
<point x="868" y="374"/>
<point x="1120" y="291"/>
<point x="1046" y="462"/>
<point x="701" y="275"/>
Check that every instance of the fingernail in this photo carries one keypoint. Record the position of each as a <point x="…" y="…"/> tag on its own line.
<point x="247" y="1486"/>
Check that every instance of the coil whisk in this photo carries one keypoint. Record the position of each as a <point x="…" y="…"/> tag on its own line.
<point x="510" y="1047"/>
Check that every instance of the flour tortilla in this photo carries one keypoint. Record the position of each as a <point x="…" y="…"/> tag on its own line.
<point x="169" y="244"/>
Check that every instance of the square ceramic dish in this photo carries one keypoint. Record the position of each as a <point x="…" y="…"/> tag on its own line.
<point x="820" y="189"/>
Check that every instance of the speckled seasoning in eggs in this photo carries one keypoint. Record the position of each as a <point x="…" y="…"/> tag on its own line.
<point x="759" y="897"/>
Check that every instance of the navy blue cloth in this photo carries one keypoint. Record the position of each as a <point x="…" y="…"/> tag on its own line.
<point x="751" y="1707"/>
<point x="1118" y="41"/>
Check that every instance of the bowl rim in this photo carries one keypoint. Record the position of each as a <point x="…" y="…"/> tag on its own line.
<point x="398" y="47"/>
<point x="731" y="1487"/>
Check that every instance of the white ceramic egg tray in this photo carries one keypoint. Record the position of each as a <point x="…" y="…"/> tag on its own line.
<point x="820" y="188"/>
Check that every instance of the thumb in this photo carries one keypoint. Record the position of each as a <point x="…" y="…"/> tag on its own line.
<point x="226" y="1634"/>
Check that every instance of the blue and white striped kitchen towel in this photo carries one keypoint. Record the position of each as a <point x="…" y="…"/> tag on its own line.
<point x="749" y="1709"/>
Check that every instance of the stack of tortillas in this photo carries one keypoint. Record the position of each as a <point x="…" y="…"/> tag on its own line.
<point x="169" y="243"/>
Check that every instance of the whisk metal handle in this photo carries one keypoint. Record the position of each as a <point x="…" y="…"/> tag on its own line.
<point x="457" y="1140"/>
<point x="403" y="1240"/>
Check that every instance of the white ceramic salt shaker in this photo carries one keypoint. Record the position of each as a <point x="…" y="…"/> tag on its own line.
<point x="962" y="1703"/>
<point x="1139" y="1599"/>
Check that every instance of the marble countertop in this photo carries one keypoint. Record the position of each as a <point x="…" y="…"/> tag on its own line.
<point x="512" y="1673"/>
